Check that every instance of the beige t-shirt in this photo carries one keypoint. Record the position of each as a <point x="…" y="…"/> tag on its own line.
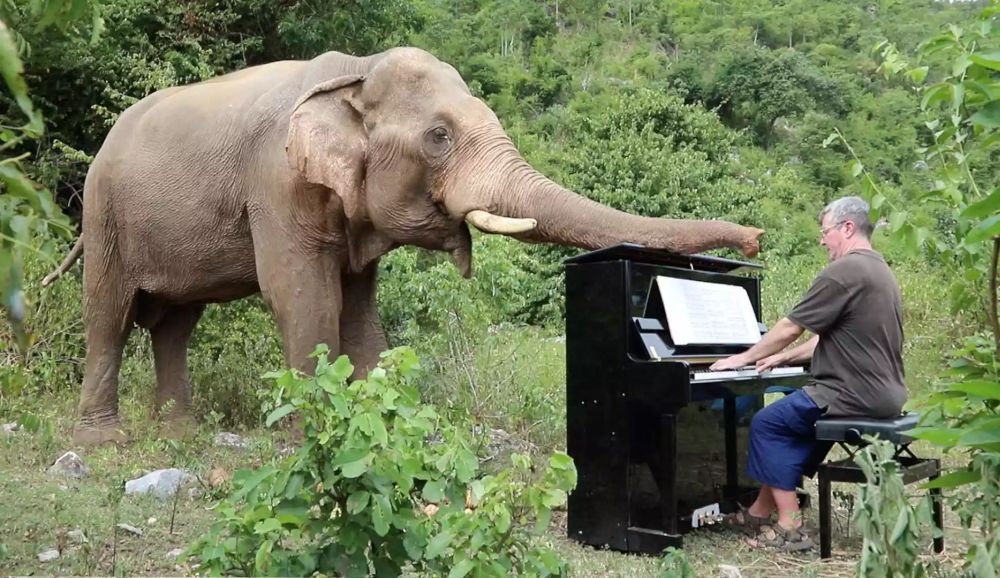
<point x="854" y="306"/>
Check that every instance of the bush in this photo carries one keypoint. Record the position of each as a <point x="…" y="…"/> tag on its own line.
<point x="381" y="482"/>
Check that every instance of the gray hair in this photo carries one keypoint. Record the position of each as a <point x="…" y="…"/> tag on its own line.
<point x="853" y="209"/>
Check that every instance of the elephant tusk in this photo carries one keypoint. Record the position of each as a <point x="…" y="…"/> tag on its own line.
<point x="490" y="223"/>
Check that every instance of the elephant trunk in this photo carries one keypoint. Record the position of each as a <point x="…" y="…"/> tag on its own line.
<point x="566" y="218"/>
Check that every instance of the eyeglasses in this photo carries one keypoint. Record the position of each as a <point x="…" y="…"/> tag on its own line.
<point x="823" y="232"/>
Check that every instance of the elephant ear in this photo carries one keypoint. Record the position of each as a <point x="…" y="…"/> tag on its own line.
<point x="326" y="139"/>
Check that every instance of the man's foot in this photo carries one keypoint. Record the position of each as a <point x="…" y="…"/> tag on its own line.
<point x="781" y="538"/>
<point x="748" y="523"/>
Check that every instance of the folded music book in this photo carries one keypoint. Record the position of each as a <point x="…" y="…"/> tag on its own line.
<point x="700" y="313"/>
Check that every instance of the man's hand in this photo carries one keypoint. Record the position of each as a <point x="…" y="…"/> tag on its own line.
<point x="731" y="362"/>
<point x="771" y="361"/>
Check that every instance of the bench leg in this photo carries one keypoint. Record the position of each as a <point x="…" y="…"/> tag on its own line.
<point x="824" y="514"/>
<point x="937" y="510"/>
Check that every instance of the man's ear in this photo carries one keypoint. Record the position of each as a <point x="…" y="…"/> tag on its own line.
<point x="327" y="141"/>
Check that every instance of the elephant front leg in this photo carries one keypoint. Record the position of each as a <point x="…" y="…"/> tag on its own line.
<point x="305" y="296"/>
<point x="361" y="335"/>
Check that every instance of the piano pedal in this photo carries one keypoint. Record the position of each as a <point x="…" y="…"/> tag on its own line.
<point x="706" y="515"/>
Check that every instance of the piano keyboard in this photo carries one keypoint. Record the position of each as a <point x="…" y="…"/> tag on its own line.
<point x="704" y="374"/>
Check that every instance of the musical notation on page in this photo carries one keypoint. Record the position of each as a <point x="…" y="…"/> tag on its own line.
<point x="707" y="313"/>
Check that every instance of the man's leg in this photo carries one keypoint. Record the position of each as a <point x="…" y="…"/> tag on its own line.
<point x="764" y="504"/>
<point x="789" y="517"/>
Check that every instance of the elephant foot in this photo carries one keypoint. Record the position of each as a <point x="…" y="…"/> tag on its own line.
<point x="95" y="435"/>
<point x="177" y="427"/>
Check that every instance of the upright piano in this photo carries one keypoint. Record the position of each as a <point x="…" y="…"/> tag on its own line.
<point x="659" y="442"/>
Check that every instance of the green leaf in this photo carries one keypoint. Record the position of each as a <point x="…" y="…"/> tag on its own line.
<point x="954" y="479"/>
<point x="278" y="413"/>
<point x="833" y="136"/>
<point x="987" y="116"/>
<point x="978" y="387"/>
<point x="437" y="545"/>
<point x="980" y="437"/>
<point x="917" y="75"/>
<point x="461" y="569"/>
<point x="896" y="220"/>
<point x="357" y="501"/>
<point x="985" y="230"/>
<point x="946" y="437"/>
<point x="856" y="168"/>
<point x="356" y="468"/>
<point x="12" y="71"/>
<point x="934" y="94"/>
<point x="268" y="525"/>
<point x="294" y="485"/>
<point x="503" y="519"/>
<point x="989" y="60"/>
<point x="984" y="207"/>
<point x="433" y="491"/>
<point x="342" y="368"/>
<point x="381" y="514"/>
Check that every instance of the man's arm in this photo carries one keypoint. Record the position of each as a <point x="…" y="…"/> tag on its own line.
<point x="783" y="333"/>
<point x="799" y="354"/>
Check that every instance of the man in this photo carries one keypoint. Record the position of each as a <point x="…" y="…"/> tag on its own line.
<point x="855" y="313"/>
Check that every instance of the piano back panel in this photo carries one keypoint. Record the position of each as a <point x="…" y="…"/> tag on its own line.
<point x="597" y="433"/>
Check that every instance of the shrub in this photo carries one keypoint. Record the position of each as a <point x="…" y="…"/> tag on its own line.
<point x="380" y="482"/>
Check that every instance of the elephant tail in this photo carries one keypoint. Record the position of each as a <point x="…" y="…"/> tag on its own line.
<point x="74" y="254"/>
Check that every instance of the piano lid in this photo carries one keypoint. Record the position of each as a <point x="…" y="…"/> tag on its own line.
<point x="633" y="252"/>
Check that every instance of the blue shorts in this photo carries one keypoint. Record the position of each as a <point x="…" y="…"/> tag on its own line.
<point x="783" y="445"/>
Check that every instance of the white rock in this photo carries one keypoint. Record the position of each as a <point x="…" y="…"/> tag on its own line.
<point x="195" y="493"/>
<point x="49" y="555"/>
<point x="232" y="440"/>
<point x="727" y="571"/>
<point x="161" y="483"/>
<point x="130" y="529"/>
<point x="175" y="552"/>
<point x="150" y="521"/>
<point x="10" y="428"/>
<point x="69" y="464"/>
<point x="77" y="536"/>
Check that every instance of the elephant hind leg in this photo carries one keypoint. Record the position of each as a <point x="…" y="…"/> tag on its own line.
<point x="109" y="312"/>
<point x="170" y="336"/>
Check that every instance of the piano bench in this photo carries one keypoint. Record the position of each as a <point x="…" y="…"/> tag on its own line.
<point x="847" y="432"/>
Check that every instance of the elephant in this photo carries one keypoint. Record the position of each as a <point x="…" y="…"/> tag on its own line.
<point x="291" y="179"/>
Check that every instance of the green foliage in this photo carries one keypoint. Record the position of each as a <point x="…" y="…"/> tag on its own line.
<point x="886" y="519"/>
<point x="958" y="72"/>
<point x="381" y="481"/>
<point x="28" y="215"/>
<point x="674" y="564"/>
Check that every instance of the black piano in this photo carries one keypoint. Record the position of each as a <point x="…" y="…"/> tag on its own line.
<point x="659" y="442"/>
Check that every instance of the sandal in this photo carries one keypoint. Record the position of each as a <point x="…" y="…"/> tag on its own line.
<point x="747" y="522"/>
<point x="788" y="540"/>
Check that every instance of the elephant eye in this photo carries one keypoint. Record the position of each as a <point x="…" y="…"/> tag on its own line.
<point x="440" y="135"/>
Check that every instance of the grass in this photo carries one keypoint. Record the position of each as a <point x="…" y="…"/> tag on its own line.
<point x="511" y="378"/>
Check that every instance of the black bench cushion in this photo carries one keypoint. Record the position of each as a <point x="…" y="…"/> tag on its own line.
<point x="850" y="429"/>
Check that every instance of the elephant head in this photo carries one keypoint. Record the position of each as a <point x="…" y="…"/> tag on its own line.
<point x="414" y="157"/>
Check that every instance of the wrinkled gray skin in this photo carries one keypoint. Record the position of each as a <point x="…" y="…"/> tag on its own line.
<point x="291" y="179"/>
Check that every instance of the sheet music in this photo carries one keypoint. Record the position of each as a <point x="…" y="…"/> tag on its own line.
<point x="700" y="313"/>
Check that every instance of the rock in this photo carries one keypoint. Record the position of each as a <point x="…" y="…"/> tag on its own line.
<point x="920" y="166"/>
<point x="195" y="493"/>
<point x="77" y="536"/>
<point x="49" y="555"/>
<point x="231" y="440"/>
<point x="130" y="529"/>
<point x="218" y="477"/>
<point x="727" y="571"/>
<point x="151" y="521"/>
<point x="175" y="553"/>
<point x="69" y="464"/>
<point x="161" y="483"/>
<point x="9" y="428"/>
